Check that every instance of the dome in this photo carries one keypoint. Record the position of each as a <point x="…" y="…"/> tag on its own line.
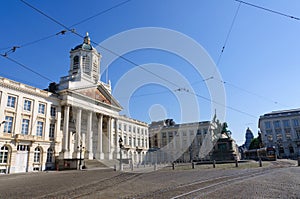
<point x="86" y="45"/>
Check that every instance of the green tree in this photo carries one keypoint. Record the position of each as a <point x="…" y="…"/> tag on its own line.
<point x="256" y="143"/>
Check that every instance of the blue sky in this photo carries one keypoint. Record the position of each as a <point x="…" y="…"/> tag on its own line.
<point x="260" y="62"/>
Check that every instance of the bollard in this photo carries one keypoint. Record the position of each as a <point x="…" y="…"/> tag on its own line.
<point x="260" y="162"/>
<point x="214" y="164"/>
<point x="236" y="163"/>
<point x="131" y="166"/>
<point x="193" y="165"/>
<point x="173" y="166"/>
<point x="115" y="167"/>
<point x="155" y="167"/>
<point x="298" y="161"/>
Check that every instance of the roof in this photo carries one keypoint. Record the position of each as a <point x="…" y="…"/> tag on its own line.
<point x="86" y="45"/>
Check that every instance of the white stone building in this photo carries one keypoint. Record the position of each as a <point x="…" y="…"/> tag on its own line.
<point x="76" y="119"/>
<point x="281" y="129"/>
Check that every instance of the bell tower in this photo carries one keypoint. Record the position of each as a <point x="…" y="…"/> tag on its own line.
<point x="84" y="66"/>
<point x="85" y="61"/>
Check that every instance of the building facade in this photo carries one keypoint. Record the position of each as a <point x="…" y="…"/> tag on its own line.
<point x="73" y="120"/>
<point x="281" y="129"/>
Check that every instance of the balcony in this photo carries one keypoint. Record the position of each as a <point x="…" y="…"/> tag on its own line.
<point x="24" y="137"/>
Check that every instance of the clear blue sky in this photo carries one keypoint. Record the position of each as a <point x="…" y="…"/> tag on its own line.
<point x="260" y="62"/>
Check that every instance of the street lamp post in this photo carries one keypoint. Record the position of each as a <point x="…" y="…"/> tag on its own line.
<point x="80" y="147"/>
<point x="121" y="146"/>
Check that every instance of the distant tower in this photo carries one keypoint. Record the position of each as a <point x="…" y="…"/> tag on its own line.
<point x="84" y="66"/>
<point x="249" y="136"/>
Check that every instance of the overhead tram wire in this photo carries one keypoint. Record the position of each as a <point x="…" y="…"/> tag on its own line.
<point x="228" y="34"/>
<point x="268" y="10"/>
<point x="135" y="64"/>
<point x="75" y="24"/>
<point x="100" y="13"/>
<point x="27" y="68"/>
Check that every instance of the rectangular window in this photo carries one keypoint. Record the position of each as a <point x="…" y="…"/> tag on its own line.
<point x="298" y="134"/>
<point x="279" y="137"/>
<point x="296" y="122"/>
<point x="25" y="127"/>
<point x="268" y="125"/>
<point x="120" y="126"/>
<point x="27" y="105"/>
<point x="270" y="138"/>
<point x="163" y="135"/>
<point x="51" y="130"/>
<point x="277" y="124"/>
<point x="268" y="131"/>
<point x="286" y="123"/>
<point x="191" y="133"/>
<point x="130" y="141"/>
<point x="39" y="128"/>
<point x="129" y="128"/>
<point x="205" y="131"/>
<point x="134" y="129"/>
<point x="125" y="127"/>
<point x="134" y="142"/>
<point x="125" y="140"/>
<point x="41" y="109"/>
<point x="11" y="101"/>
<point x="8" y="124"/>
<point x="53" y="111"/>
<point x="288" y="134"/>
<point x="184" y="133"/>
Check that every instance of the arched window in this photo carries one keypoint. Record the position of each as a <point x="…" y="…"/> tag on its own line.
<point x="49" y="155"/>
<point x="75" y="63"/>
<point x="37" y="155"/>
<point x="4" y="154"/>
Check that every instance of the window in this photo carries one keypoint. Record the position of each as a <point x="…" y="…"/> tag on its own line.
<point x="138" y="130"/>
<point x="51" y="130"/>
<point x="27" y="105"/>
<point x="279" y="137"/>
<point x="163" y="135"/>
<point x="134" y="142"/>
<point x="4" y="154"/>
<point x="268" y="131"/>
<point x="270" y="138"/>
<point x="191" y="133"/>
<point x="130" y="141"/>
<point x="86" y="65"/>
<point x="37" y="155"/>
<point x="120" y="126"/>
<point x="125" y="127"/>
<point x="291" y="149"/>
<point x="134" y="129"/>
<point x="75" y="62"/>
<point x="49" y="155"/>
<point x="25" y="127"/>
<point x="288" y="134"/>
<point x="11" y="101"/>
<point x="286" y="123"/>
<point x="205" y="131"/>
<point x="268" y="125"/>
<point x="184" y="133"/>
<point x="41" y="109"/>
<point x="296" y="122"/>
<point x="129" y="128"/>
<point x="298" y="134"/>
<point x="125" y="140"/>
<point x="222" y="146"/>
<point x="277" y="124"/>
<point x="8" y="124"/>
<point x="39" y="128"/>
<point x="138" y="142"/>
<point x="53" y="111"/>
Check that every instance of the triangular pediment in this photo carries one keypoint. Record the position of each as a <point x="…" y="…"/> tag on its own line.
<point x="100" y="94"/>
<point x="94" y="93"/>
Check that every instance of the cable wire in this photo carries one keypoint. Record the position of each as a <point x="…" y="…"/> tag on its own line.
<point x="269" y="10"/>
<point x="27" y="68"/>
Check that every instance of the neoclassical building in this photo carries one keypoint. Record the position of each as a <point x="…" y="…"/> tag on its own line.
<point x="77" y="118"/>
<point x="281" y="129"/>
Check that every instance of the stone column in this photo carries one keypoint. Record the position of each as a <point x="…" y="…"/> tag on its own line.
<point x="65" y="146"/>
<point x="100" y="146"/>
<point x="90" y="136"/>
<point x="109" y="133"/>
<point x="78" y="132"/>
<point x="116" y="141"/>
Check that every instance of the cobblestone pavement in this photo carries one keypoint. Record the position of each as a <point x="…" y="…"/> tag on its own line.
<point x="280" y="179"/>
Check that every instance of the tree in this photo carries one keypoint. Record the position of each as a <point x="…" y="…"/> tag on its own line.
<point x="256" y="143"/>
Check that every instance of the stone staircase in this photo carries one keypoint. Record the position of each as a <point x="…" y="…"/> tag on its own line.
<point x="92" y="164"/>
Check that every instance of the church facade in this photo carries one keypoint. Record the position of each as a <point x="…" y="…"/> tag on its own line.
<point x="73" y="120"/>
